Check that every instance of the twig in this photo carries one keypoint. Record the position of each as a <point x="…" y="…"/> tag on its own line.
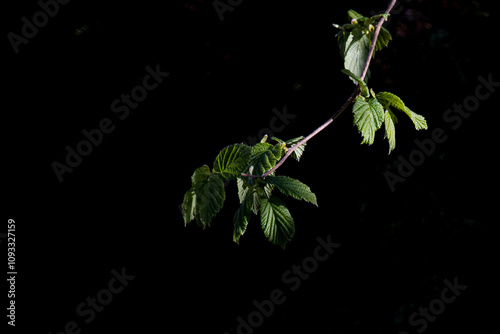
<point x="315" y="132"/>
<point x="346" y="104"/>
<point x="374" y="42"/>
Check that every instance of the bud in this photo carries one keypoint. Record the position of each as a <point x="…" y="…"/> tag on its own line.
<point x="371" y="28"/>
<point x="354" y="21"/>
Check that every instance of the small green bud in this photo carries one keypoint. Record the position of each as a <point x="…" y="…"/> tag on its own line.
<point x="354" y="21"/>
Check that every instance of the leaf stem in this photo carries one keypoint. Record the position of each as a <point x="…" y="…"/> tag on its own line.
<point x="344" y="107"/>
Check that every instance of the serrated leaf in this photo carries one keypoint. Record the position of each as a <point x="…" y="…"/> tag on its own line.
<point x="356" y="52"/>
<point x="268" y="190"/>
<point x="418" y="120"/>
<point x="210" y="196"/>
<point x="276" y="221"/>
<point x="383" y="39"/>
<point x="241" y="218"/>
<point x="232" y="161"/>
<point x="390" y="130"/>
<point x="242" y="189"/>
<point x="262" y="158"/>
<point x="362" y="84"/>
<point x="292" y="187"/>
<point x="255" y="203"/>
<point x="389" y="100"/>
<point x="368" y="118"/>
<point x="188" y="206"/>
<point x="297" y="153"/>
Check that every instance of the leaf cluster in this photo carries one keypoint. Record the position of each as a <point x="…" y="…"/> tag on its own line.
<point x="207" y="194"/>
<point x="355" y="38"/>
<point x="370" y="110"/>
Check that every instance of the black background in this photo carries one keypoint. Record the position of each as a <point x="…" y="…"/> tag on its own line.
<point x="120" y="207"/>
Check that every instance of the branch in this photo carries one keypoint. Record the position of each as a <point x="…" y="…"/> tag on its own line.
<point x="374" y="42"/>
<point x="315" y="132"/>
<point x="346" y="104"/>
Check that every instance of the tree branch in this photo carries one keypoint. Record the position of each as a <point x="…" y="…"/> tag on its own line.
<point x="315" y="132"/>
<point x="346" y="104"/>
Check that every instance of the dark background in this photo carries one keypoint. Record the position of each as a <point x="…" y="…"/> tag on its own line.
<point x="120" y="206"/>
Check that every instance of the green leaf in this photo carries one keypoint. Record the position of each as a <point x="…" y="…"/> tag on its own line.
<point x="390" y="130"/>
<point x="255" y="202"/>
<point x="352" y="14"/>
<point x="383" y="39"/>
<point x="356" y="52"/>
<point x="232" y="161"/>
<point x="268" y="190"/>
<point x="276" y="221"/>
<point x="188" y="206"/>
<point x="200" y="175"/>
<point x="242" y="189"/>
<point x="418" y="120"/>
<point x="210" y="195"/>
<point x="389" y="100"/>
<point x="368" y="117"/>
<point x="292" y="187"/>
<point x="355" y="38"/>
<point x="299" y="150"/>
<point x="241" y="218"/>
<point x="362" y="84"/>
<point x="262" y="158"/>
